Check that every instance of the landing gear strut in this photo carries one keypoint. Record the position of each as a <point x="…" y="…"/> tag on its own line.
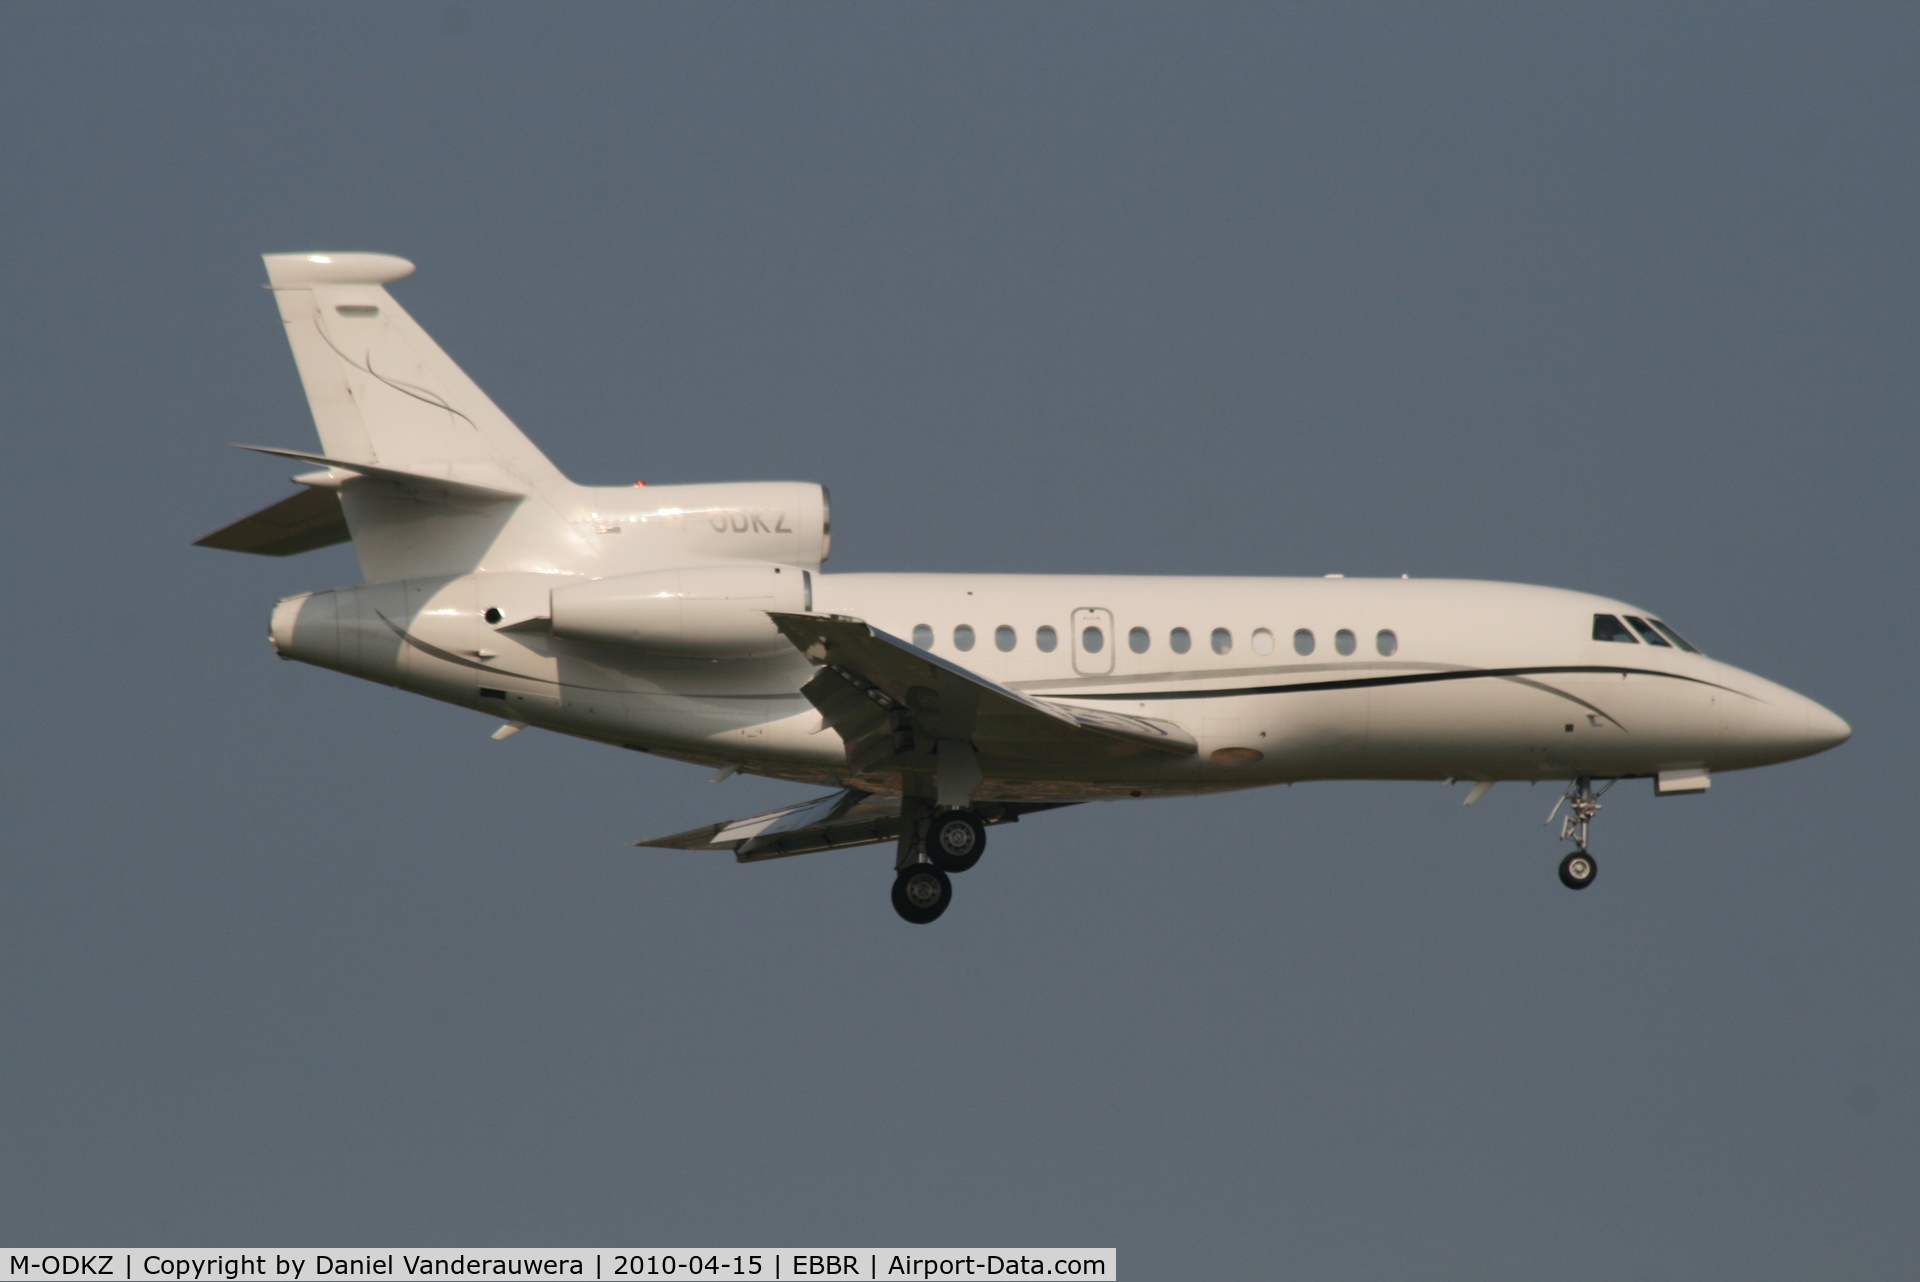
<point x="1578" y="869"/>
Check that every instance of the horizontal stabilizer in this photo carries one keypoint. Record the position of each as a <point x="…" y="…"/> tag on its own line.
<point x="298" y="523"/>
<point x="469" y="480"/>
<point x="834" y="822"/>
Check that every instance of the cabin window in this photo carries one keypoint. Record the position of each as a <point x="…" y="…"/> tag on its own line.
<point x="1343" y="641"/>
<point x="1005" y="638"/>
<point x="1138" y="640"/>
<point x="1093" y="640"/>
<point x="1673" y="636"/>
<point x="1385" y="642"/>
<point x="1647" y="634"/>
<point x="923" y="635"/>
<point x="1046" y="638"/>
<point x="1262" y="641"/>
<point x="1180" y="640"/>
<point x="1222" y="641"/>
<point x="1303" y="641"/>
<point x="1608" y="628"/>
<point x="963" y="637"/>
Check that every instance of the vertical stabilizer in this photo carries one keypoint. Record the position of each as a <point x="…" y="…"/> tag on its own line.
<point x="381" y="389"/>
<point x="383" y="393"/>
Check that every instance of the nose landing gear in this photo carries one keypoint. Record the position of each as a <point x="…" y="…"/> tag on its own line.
<point x="1578" y="869"/>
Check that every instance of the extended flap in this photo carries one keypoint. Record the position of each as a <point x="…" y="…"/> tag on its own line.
<point x="836" y="821"/>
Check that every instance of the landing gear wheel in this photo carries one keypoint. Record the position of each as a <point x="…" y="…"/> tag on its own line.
<point x="955" y="840"/>
<point x="921" y="893"/>
<point x="1577" y="870"/>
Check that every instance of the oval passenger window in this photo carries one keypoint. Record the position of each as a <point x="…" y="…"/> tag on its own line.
<point x="923" y="635"/>
<point x="1138" y="640"/>
<point x="1386" y="642"/>
<point x="1092" y="640"/>
<point x="1046" y="638"/>
<point x="963" y="637"/>
<point x="1005" y="638"/>
<point x="1180" y="640"/>
<point x="1303" y="641"/>
<point x="1222" y="641"/>
<point x="1262" y="641"/>
<point x="1343" y="641"/>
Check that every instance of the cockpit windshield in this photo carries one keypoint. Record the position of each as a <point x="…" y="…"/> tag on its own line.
<point x="1608" y="627"/>
<point x="1647" y="633"/>
<point x="1673" y="636"/>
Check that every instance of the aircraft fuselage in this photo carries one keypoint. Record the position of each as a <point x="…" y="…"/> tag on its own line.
<point x="1279" y="679"/>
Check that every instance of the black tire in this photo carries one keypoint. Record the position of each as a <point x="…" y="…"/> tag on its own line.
<point x="955" y="840"/>
<point x="1578" y="870"/>
<point x="921" y="893"/>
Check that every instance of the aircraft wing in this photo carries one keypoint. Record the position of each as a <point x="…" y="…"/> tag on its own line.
<point x="876" y="691"/>
<point x="850" y="817"/>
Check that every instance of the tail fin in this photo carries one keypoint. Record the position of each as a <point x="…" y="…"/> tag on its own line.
<point x="382" y="391"/>
<point x="384" y="394"/>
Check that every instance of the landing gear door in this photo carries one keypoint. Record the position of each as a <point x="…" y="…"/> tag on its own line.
<point x="1092" y="641"/>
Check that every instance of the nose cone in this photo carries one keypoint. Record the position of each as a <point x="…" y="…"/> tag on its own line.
<point x="1766" y="723"/>
<point x="1824" y="729"/>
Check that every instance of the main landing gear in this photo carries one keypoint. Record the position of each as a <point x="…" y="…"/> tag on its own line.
<point x="1578" y="869"/>
<point x="932" y="845"/>
<point x="955" y="840"/>
<point x="921" y="893"/>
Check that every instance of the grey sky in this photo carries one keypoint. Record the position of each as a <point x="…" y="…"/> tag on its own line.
<point x="1619" y="298"/>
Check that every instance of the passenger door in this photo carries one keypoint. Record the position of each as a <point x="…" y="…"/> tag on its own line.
<point x="1092" y="641"/>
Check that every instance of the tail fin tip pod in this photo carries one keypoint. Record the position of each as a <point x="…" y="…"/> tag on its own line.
<point x="298" y="271"/>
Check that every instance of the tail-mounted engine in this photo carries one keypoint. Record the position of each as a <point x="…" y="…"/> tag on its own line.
<point x="708" y="612"/>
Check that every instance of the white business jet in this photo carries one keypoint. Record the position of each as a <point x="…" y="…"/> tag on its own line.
<point x="693" y="622"/>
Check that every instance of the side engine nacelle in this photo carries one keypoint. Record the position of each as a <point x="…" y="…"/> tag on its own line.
<point x="706" y="612"/>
